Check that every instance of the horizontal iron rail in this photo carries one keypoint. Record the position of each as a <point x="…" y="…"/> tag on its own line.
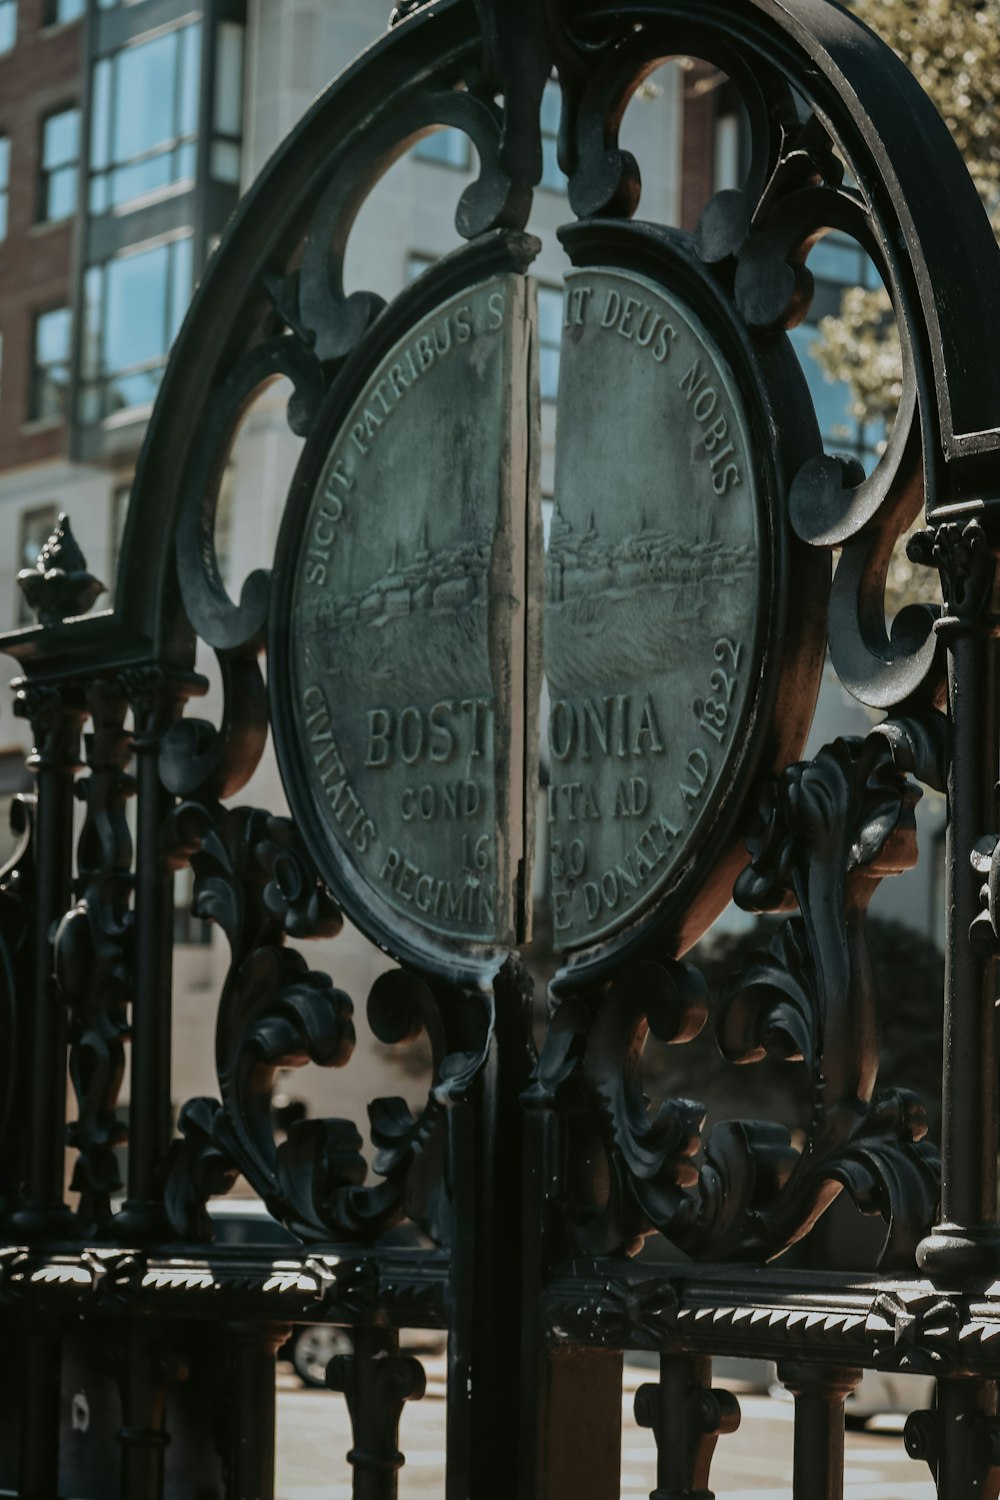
<point x="343" y="1285"/>
<point x="770" y="1313"/>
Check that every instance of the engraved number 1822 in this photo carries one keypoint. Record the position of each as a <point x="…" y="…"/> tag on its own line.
<point x="715" y="715"/>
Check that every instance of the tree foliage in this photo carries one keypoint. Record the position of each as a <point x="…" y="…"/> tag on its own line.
<point x="953" y="49"/>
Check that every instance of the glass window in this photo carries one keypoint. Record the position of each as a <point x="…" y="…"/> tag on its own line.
<point x="133" y="307"/>
<point x="34" y="529"/>
<point x="60" y="164"/>
<point x="837" y="263"/>
<point x="50" y="381"/>
<point x="416" y="265"/>
<point x="8" y="24"/>
<point x="227" y="105"/>
<point x="449" y="148"/>
<point x="552" y="176"/>
<point x="145" y="118"/>
<point x="550" y="319"/>
<point x="63" y="11"/>
<point x="4" y="183"/>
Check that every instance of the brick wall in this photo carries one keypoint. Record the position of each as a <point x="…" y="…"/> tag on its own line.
<point x="698" y="143"/>
<point x="42" y="74"/>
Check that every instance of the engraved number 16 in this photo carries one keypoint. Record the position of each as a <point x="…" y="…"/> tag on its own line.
<point x="475" y="856"/>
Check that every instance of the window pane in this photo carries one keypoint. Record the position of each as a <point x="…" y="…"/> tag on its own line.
<point x="144" y="108"/>
<point x="190" y="65"/>
<point x="229" y="79"/>
<point x="36" y="528"/>
<point x="61" y="198"/>
<point x="100" y="127"/>
<point x="181" y="284"/>
<point x="93" y="289"/>
<point x="550" y="315"/>
<point x="142" y="177"/>
<point x="450" y="147"/>
<point x="52" y="331"/>
<point x="225" y="161"/>
<point x="834" y="260"/>
<point x="68" y="10"/>
<point x="8" y="24"/>
<point x="135" y="308"/>
<point x="134" y="390"/>
<point x="60" y="157"/>
<point x="61" y="142"/>
<point x="548" y="372"/>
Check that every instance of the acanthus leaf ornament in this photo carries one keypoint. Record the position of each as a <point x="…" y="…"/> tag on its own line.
<point x="828" y="832"/>
<point x="92" y="952"/>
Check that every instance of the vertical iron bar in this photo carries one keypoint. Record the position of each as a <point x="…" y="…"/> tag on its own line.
<point x="686" y="1417"/>
<point x="376" y="1381"/>
<point x="820" y="1393"/>
<point x="56" y="718"/>
<point x="494" y="1200"/>
<point x="155" y="702"/>
<point x="38" y="1470"/>
<point x="967" y="1438"/>
<point x="966" y="1241"/>
<point x="143" y="1436"/>
<point x="252" y="1411"/>
<point x="462" y="1170"/>
<point x="571" y="1399"/>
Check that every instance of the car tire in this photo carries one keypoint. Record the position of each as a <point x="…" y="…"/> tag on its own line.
<point x="311" y="1349"/>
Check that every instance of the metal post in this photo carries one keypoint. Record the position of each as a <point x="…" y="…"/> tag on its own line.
<point x="376" y="1382"/>
<point x="966" y="1242"/>
<point x="155" y="701"/>
<point x="820" y="1394"/>
<point x="252" y="1413"/>
<point x="39" y="1459"/>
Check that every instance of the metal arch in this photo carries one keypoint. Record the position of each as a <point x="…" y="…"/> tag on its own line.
<point x="270" y="218"/>
<point x="934" y="223"/>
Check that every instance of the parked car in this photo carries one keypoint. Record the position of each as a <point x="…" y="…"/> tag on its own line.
<point x="879" y="1393"/>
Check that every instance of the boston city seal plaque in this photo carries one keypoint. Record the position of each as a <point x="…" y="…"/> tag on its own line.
<point x="405" y="693"/>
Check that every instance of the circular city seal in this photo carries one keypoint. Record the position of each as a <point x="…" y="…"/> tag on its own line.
<point x="401" y="657"/>
<point x="657" y="580"/>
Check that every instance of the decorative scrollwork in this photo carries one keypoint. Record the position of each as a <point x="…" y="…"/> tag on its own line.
<point x="828" y="832"/>
<point x="253" y="879"/>
<point x="92" y="958"/>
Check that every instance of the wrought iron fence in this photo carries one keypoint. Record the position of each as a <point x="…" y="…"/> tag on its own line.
<point x="532" y="1178"/>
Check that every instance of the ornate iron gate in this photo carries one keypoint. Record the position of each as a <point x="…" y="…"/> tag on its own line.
<point x="531" y="1177"/>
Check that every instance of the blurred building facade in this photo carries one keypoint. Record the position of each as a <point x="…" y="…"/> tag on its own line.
<point x="127" y="131"/>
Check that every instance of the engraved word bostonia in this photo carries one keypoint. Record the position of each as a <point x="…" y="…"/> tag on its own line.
<point x="447" y="736"/>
